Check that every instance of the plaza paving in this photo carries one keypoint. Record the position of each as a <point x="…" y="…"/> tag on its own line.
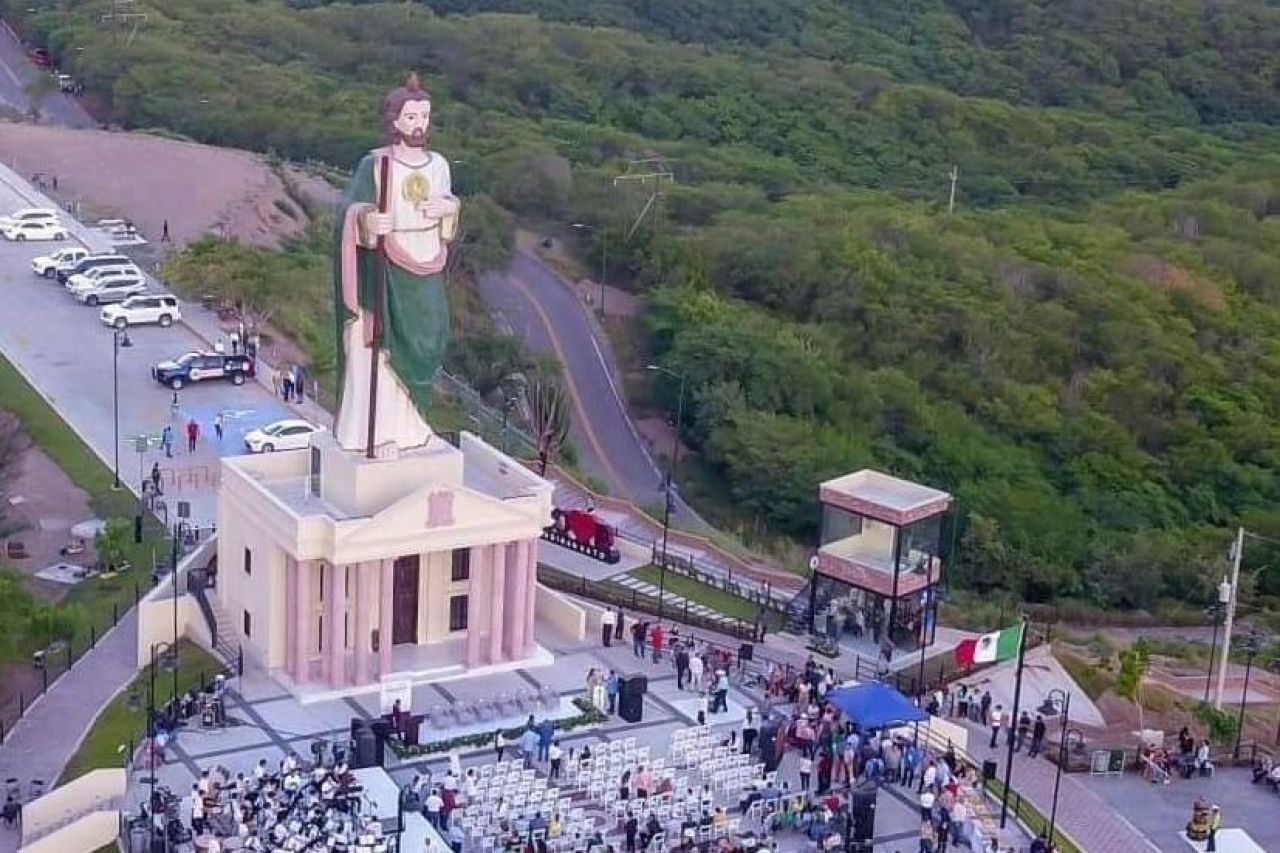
<point x="267" y="721"/>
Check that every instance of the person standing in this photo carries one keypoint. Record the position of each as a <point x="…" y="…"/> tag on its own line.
<point x="277" y="381"/>
<point x="556" y="755"/>
<point x="607" y="622"/>
<point x="1215" y="823"/>
<point x="985" y="707"/>
<point x="1037" y="737"/>
<point x="432" y="807"/>
<point x="682" y="666"/>
<point x="193" y="434"/>
<point x="1024" y="729"/>
<point x="217" y="426"/>
<point x="612" y="685"/>
<point x="155" y="479"/>
<point x="720" y="699"/>
<point x="617" y="629"/>
<point x="997" y="717"/>
<point x="166" y="441"/>
<point x="656" y="638"/>
<point x="286" y="385"/>
<point x="749" y="732"/>
<point x="637" y="638"/>
<point x="695" y="671"/>
<point x="499" y="743"/>
<point x="164" y="232"/>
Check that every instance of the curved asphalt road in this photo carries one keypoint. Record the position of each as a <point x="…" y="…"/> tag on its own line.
<point x="17" y="72"/>
<point x="543" y="309"/>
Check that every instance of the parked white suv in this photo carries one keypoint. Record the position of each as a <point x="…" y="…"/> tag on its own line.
<point x="83" y="279"/>
<point x="282" y="435"/>
<point x="35" y="229"/>
<point x="63" y="259"/>
<point x="110" y="288"/>
<point x="29" y="214"/>
<point x="148" y="308"/>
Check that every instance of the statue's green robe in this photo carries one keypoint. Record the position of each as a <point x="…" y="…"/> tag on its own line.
<point x="416" y="318"/>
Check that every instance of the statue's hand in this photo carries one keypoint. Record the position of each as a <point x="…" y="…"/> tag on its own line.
<point x="376" y="224"/>
<point x="438" y="207"/>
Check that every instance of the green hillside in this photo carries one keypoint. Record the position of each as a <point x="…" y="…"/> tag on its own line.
<point x="1087" y="352"/>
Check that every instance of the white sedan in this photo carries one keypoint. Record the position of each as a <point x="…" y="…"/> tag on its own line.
<point x="281" y="435"/>
<point x="39" y="229"/>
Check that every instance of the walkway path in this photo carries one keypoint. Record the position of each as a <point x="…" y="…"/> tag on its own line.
<point x="1082" y="813"/>
<point x="40" y="744"/>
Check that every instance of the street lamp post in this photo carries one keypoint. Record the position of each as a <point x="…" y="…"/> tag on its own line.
<point x="1218" y="608"/>
<point x="119" y="338"/>
<point x="604" y="256"/>
<point x="930" y="595"/>
<point x="151" y="734"/>
<point x="1065" y="698"/>
<point x="671" y="464"/>
<point x="1251" y="646"/>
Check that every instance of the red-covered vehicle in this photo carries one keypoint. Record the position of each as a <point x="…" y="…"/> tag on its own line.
<point x="41" y="57"/>
<point x="580" y="530"/>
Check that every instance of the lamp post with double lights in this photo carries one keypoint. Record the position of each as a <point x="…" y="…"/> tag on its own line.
<point x="119" y="339"/>
<point x="1052" y="700"/>
<point x="1251" y="646"/>
<point x="671" y="464"/>
<point x="604" y="255"/>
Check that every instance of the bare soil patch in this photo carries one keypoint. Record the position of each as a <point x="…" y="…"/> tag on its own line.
<point x="148" y="179"/>
<point x="41" y="506"/>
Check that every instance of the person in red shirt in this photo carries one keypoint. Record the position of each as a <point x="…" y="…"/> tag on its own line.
<point x="193" y="433"/>
<point x="655" y="640"/>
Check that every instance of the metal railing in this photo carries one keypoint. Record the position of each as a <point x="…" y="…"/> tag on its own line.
<point x="55" y="661"/>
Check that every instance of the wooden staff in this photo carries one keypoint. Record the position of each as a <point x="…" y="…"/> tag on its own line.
<point x="379" y="304"/>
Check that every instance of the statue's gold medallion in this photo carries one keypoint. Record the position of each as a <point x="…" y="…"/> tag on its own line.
<point x="416" y="187"/>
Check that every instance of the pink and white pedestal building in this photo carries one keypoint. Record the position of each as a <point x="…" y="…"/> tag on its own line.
<point x="341" y="573"/>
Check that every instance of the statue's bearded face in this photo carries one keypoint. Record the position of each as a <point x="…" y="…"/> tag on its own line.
<point x="412" y="123"/>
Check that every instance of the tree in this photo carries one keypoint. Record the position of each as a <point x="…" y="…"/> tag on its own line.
<point x="1134" y="663"/>
<point x="549" y="413"/>
<point x="111" y="543"/>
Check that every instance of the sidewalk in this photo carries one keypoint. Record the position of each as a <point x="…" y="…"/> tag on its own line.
<point x="1082" y="813"/>
<point x="43" y="741"/>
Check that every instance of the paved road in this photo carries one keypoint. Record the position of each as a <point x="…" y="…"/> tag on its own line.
<point x="65" y="351"/>
<point x="17" y="72"/>
<point x="544" y="310"/>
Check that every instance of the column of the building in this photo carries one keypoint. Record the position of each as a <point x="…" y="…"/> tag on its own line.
<point x="497" y="596"/>
<point x="517" y="578"/>
<point x="363" y="616"/>
<point x="302" y="622"/>
<point x="385" y="610"/>
<point x="478" y="586"/>
<point x="290" y="614"/>
<point x="335" y="664"/>
<point x="529" y="559"/>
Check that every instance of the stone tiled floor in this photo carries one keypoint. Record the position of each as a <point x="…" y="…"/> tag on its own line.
<point x="268" y="722"/>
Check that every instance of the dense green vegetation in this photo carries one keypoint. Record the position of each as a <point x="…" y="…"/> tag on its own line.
<point x="1087" y="352"/>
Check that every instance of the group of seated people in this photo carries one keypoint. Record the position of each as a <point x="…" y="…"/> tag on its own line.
<point x="292" y="808"/>
<point x="1266" y="771"/>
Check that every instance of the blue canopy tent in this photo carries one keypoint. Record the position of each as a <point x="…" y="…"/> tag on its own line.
<point x="876" y="706"/>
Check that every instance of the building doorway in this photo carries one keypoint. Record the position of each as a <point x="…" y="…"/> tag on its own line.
<point x="404" y="595"/>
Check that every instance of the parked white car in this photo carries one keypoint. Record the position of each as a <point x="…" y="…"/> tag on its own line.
<point x="281" y="435"/>
<point x="148" y="308"/>
<point x="110" y="288"/>
<point x="63" y="259"/>
<point x="38" y="229"/>
<point x="29" y="214"/>
<point x="84" y="279"/>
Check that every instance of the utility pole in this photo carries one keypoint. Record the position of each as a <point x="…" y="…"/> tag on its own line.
<point x="951" y="202"/>
<point x="1237" y="554"/>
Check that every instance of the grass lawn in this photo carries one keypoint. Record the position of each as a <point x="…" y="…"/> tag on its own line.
<point x="717" y="599"/>
<point x="119" y="724"/>
<point x="91" y="602"/>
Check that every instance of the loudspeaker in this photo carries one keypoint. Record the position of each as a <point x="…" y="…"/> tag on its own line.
<point x="862" y="815"/>
<point x="772" y="743"/>
<point x="988" y="771"/>
<point x="631" y="706"/>
<point x="637" y="683"/>
<point x="746" y="652"/>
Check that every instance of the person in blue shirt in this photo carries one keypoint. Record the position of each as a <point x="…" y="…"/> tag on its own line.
<point x="910" y="763"/>
<point x="546" y="734"/>
<point x="611" y="686"/>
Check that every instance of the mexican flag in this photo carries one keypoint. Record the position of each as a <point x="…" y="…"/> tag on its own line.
<point x="989" y="648"/>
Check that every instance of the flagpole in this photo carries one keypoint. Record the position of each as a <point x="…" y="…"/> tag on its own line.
<point x="1013" y="725"/>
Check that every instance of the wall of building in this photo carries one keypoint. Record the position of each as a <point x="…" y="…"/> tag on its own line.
<point x="567" y="617"/>
<point x="96" y="789"/>
<point x="91" y="832"/>
<point x="155" y="624"/>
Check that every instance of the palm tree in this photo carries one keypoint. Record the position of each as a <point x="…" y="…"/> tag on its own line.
<point x="549" y="412"/>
